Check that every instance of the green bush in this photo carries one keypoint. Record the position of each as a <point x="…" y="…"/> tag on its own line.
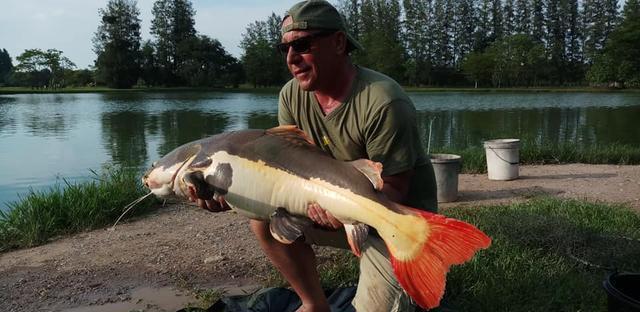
<point x="71" y="208"/>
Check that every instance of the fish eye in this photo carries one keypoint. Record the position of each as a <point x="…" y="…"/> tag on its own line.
<point x="154" y="164"/>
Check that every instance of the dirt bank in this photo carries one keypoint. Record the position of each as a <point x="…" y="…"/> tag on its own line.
<point x="148" y="263"/>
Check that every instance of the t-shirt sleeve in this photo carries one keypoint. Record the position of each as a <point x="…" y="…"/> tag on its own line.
<point x="285" y="117"/>
<point x="392" y="137"/>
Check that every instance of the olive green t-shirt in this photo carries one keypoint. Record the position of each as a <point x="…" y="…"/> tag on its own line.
<point x="376" y="121"/>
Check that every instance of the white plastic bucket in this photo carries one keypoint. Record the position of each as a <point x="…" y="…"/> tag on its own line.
<point x="503" y="156"/>
<point x="446" y="168"/>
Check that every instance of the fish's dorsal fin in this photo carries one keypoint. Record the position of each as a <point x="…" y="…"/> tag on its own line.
<point x="291" y="133"/>
<point x="285" y="227"/>
<point x="372" y="170"/>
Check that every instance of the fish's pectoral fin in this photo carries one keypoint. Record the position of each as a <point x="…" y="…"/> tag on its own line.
<point x="285" y="227"/>
<point x="372" y="170"/>
<point x="221" y="178"/>
<point x="357" y="234"/>
<point x="196" y="180"/>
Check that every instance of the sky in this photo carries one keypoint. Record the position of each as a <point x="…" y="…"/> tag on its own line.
<point x="69" y="25"/>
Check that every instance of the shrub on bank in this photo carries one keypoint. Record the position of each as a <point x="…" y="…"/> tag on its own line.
<point x="71" y="208"/>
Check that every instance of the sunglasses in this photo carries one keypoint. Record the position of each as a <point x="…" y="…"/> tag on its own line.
<point x="301" y="45"/>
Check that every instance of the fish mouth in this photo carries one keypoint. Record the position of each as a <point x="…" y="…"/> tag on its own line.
<point x="168" y="189"/>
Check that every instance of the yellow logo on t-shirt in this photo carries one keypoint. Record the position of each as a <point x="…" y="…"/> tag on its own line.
<point x="325" y="140"/>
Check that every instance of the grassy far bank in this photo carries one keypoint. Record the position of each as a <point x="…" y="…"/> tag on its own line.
<point x="24" y="90"/>
<point x="72" y="208"/>
<point x="541" y="258"/>
<point x="474" y="158"/>
<point x="276" y="89"/>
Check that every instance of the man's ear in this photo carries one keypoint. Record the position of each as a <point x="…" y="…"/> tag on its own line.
<point x="341" y="43"/>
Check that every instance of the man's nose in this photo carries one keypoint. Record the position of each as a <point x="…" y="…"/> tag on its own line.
<point x="292" y="56"/>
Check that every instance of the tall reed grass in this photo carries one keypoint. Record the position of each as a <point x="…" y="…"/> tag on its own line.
<point x="71" y="207"/>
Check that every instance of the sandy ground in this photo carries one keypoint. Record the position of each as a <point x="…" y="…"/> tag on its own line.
<point x="151" y="263"/>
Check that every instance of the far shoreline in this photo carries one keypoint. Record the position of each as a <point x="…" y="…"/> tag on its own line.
<point x="275" y="90"/>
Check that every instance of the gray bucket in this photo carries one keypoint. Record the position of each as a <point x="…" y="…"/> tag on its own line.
<point x="503" y="157"/>
<point x="446" y="168"/>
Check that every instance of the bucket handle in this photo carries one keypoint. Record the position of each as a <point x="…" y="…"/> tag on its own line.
<point x="510" y="163"/>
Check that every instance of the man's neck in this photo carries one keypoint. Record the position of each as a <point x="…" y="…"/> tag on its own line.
<point x="334" y="94"/>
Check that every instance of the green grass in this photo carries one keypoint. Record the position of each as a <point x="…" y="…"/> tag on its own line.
<point x="339" y="270"/>
<point x="71" y="208"/>
<point x="531" y="265"/>
<point x="474" y="158"/>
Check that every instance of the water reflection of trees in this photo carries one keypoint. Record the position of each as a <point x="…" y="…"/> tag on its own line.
<point x="124" y="139"/>
<point x="6" y="119"/>
<point x="182" y="126"/>
<point x="551" y="126"/>
<point x="48" y="116"/>
<point x="615" y="125"/>
<point x="126" y="133"/>
<point x="262" y="120"/>
<point x="46" y="125"/>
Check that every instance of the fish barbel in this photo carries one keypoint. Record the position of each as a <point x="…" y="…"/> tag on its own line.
<point x="274" y="174"/>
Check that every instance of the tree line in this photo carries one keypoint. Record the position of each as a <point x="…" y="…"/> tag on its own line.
<point x="177" y="55"/>
<point x="497" y="43"/>
<point x="485" y="43"/>
<point x="42" y="69"/>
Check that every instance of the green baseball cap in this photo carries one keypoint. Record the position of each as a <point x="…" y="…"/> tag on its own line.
<point x="318" y="14"/>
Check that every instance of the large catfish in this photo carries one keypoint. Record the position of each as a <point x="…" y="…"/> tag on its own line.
<point x="274" y="174"/>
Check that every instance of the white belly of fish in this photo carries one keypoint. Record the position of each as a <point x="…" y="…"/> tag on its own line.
<point x="257" y="190"/>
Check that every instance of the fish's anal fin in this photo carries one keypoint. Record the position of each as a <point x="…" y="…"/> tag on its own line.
<point x="448" y="242"/>
<point x="372" y="170"/>
<point x="357" y="234"/>
<point x="285" y="227"/>
<point x="291" y="133"/>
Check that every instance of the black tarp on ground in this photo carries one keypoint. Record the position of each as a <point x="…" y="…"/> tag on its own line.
<point x="279" y="300"/>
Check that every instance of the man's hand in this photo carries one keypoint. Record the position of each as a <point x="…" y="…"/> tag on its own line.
<point x="214" y="205"/>
<point x="322" y="217"/>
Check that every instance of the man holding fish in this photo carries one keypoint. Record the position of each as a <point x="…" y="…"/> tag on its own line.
<point x="347" y="161"/>
<point x="352" y="113"/>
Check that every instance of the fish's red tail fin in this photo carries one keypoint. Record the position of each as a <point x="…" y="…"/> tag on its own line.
<point x="446" y="241"/>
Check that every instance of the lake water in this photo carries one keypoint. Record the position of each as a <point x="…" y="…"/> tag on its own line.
<point x="45" y="137"/>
